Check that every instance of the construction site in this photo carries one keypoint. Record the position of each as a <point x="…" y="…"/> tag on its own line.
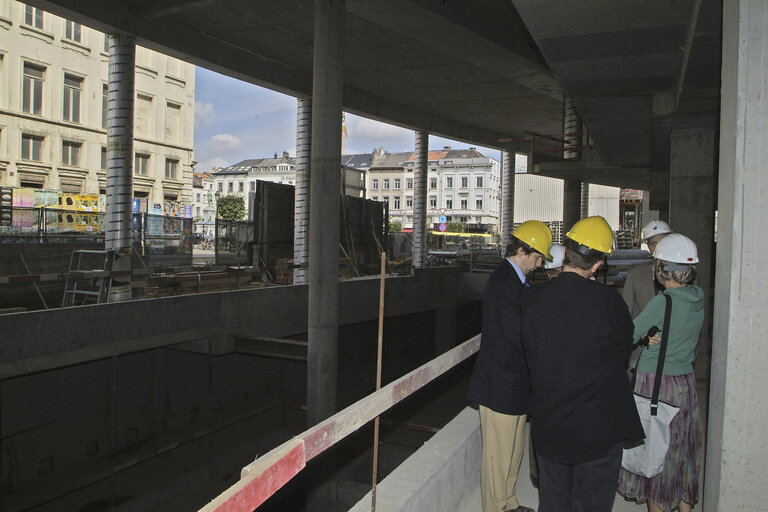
<point x="304" y="364"/>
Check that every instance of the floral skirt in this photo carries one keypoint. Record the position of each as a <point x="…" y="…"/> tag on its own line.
<point x="679" y="480"/>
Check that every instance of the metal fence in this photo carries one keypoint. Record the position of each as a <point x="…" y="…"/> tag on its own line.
<point x="160" y="240"/>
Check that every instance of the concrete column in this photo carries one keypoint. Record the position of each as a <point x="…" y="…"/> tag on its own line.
<point x="420" y="168"/>
<point x="323" y="318"/>
<point x="737" y="437"/>
<point x="573" y="137"/>
<point x="507" y="198"/>
<point x="571" y="203"/>
<point x="691" y="211"/>
<point x="301" y="198"/>
<point x="120" y="101"/>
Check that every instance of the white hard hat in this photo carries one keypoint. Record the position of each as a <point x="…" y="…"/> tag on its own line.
<point x="557" y="251"/>
<point x="656" y="227"/>
<point x="677" y="248"/>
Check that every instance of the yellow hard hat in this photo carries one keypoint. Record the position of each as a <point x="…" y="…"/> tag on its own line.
<point x="536" y="235"/>
<point x="593" y="232"/>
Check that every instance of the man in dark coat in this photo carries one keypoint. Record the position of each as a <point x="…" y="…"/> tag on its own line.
<point x="578" y="337"/>
<point x="499" y="383"/>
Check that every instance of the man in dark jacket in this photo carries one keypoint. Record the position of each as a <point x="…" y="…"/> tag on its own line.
<point x="578" y="337"/>
<point x="499" y="383"/>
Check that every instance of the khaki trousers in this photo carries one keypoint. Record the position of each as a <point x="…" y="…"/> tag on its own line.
<point x="503" y="437"/>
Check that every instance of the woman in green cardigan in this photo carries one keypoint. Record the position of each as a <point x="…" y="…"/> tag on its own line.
<point x="677" y="486"/>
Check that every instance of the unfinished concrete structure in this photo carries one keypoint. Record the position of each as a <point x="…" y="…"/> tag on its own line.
<point x="645" y="79"/>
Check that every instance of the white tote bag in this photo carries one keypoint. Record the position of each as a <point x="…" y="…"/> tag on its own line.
<point x="647" y="459"/>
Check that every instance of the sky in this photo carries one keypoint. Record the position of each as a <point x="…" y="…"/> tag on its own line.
<point x="235" y="121"/>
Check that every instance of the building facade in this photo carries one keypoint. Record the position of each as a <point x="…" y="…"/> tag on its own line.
<point x="240" y="178"/>
<point x="462" y="185"/>
<point x="53" y="110"/>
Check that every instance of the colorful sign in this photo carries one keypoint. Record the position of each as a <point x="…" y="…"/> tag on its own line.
<point x="442" y="227"/>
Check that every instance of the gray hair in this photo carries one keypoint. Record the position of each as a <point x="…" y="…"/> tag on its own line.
<point x="680" y="273"/>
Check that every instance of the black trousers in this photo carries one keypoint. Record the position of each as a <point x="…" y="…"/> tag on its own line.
<point x="584" y="487"/>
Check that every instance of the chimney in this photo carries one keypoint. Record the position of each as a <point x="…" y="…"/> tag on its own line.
<point x="275" y="154"/>
<point x="285" y="156"/>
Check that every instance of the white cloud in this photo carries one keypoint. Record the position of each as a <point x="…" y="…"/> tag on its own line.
<point x="204" y="113"/>
<point x="367" y="129"/>
<point x="225" y="142"/>
<point x="211" y="164"/>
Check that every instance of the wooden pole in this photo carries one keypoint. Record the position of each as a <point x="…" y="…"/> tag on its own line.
<point x="378" y="379"/>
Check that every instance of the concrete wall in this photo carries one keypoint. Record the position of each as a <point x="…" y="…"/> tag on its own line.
<point x="148" y="396"/>
<point x="442" y="475"/>
<point x="737" y="436"/>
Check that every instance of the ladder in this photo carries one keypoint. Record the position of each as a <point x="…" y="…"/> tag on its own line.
<point x="89" y="290"/>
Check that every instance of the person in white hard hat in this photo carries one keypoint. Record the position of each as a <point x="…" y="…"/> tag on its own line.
<point x="677" y="485"/>
<point x="554" y="267"/>
<point x="641" y="286"/>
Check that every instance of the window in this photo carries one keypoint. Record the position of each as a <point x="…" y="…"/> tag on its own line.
<point x="449" y="203"/>
<point x="463" y="219"/>
<point x="103" y="161"/>
<point x="32" y="94"/>
<point x="375" y="198"/>
<point x="464" y="203"/>
<point x="230" y="187"/>
<point x="385" y="199"/>
<point x="409" y="183"/>
<point x="198" y="197"/>
<point x="240" y="186"/>
<point x="449" y="182"/>
<point x="396" y="184"/>
<point x="433" y="183"/>
<point x="31" y="147"/>
<point x="172" y="122"/>
<point x="33" y="16"/>
<point x="72" y="30"/>
<point x="170" y="168"/>
<point x="464" y="181"/>
<point x="478" y="203"/>
<point x="104" y="105"/>
<point x="385" y="185"/>
<point x="73" y="86"/>
<point x="479" y="181"/>
<point x="374" y="184"/>
<point x="70" y="153"/>
<point x="197" y="211"/>
<point x="253" y="186"/>
<point x="433" y="202"/>
<point x="106" y="43"/>
<point x="221" y="187"/>
<point x="143" y="116"/>
<point x="396" y="202"/>
<point x="141" y="165"/>
<point x="408" y="202"/>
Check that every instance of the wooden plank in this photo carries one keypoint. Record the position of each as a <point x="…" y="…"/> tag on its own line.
<point x="249" y="492"/>
<point x="273" y="471"/>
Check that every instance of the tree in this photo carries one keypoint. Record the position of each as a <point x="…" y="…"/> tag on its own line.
<point x="395" y="226"/>
<point x="231" y="207"/>
<point x="455" y="227"/>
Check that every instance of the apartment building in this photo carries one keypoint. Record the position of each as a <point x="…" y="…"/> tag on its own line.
<point x="240" y="178"/>
<point x="53" y="110"/>
<point x="462" y="185"/>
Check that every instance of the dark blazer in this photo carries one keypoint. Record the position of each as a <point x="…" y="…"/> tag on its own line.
<point x="578" y="337"/>
<point x="500" y="378"/>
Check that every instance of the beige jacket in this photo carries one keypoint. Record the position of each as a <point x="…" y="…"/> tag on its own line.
<point x="638" y="288"/>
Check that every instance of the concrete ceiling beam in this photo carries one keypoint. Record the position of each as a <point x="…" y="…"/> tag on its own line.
<point x="622" y="177"/>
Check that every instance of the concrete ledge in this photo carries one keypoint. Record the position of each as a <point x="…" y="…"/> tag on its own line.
<point x="440" y="476"/>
